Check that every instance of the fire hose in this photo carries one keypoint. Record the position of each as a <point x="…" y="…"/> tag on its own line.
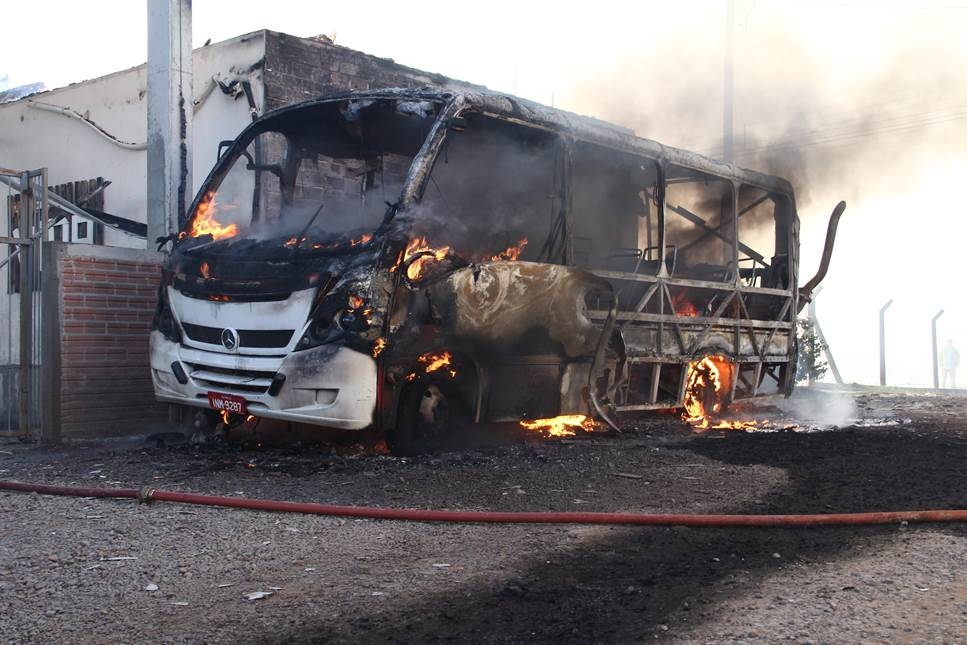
<point x="147" y="494"/>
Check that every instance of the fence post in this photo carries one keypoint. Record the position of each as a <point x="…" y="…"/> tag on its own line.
<point x="883" y="341"/>
<point x="51" y="336"/>
<point x="933" y="341"/>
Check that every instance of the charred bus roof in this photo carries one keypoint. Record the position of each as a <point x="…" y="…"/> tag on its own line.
<point x="512" y="108"/>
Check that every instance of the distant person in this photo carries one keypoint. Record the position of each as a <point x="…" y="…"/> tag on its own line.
<point x="949" y="360"/>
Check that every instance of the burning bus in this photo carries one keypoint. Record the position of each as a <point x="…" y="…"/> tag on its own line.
<point x="411" y="261"/>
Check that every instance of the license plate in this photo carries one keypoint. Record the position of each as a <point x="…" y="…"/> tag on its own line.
<point x="227" y="402"/>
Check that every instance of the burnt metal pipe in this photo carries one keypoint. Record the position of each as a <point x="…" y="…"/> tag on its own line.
<point x="933" y="344"/>
<point x="597" y="364"/>
<point x="805" y="292"/>
<point x="147" y="494"/>
<point x="883" y="341"/>
<point x="404" y="268"/>
<point x="68" y="112"/>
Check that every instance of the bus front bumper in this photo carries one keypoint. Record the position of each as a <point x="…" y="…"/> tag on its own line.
<point x="326" y="386"/>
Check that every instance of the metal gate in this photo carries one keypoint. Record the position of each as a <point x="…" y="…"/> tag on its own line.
<point x="21" y="410"/>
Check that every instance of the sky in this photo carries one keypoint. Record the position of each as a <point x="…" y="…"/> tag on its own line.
<point x="862" y="100"/>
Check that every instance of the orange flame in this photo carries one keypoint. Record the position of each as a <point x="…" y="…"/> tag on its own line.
<point x="355" y="301"/>
<point x="416" y="268"/>
<point x="706" y="382"/>
<point x="434" y="363"/>
<point x="511" y="253"/>
<point x="378" y="347"/>
<point x="362" y="239"/>
<point x="204" y="269"/>
<point x="702" y="391"/>
<point x="420" y="245"/>
<point x="565" y="425"/>
<point x="205" y="223"/>
<point x="683" y="307"/>
<point x="738" y="425"/>
<point x="225" y="417"/>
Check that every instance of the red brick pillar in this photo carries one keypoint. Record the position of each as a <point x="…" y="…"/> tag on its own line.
<point x="98" y="305"/>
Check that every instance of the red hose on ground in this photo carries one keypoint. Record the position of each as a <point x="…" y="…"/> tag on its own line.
<point x="418" y="515"/>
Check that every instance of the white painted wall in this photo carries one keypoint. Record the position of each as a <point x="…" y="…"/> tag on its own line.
<point x="71" y="150"/>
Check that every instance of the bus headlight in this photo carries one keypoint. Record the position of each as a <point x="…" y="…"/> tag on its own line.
<point x="355" y="317"/>
<point x="352" y="321"/>
<point x="318" y="333"/>
<point x="327" y="325"/>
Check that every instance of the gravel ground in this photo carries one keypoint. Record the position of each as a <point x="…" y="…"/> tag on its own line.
<point x="109" y="571"/>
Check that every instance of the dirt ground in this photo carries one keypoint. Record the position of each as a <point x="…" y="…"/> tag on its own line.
<point x="99" y="571"/>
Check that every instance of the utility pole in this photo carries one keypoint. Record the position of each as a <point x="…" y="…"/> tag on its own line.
<point x="936" y="357"/>
<point x="170" y="108"/>
<point x="728" y="136"/>
<point x="883" y="341"/>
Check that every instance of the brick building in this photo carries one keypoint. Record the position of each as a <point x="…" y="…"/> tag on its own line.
<point x="98" y="291"/>
<point x="296" y="69"/>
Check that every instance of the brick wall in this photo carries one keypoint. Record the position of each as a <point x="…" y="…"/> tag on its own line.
<point x="101" y="381"/>
<point x="298" y="69"/>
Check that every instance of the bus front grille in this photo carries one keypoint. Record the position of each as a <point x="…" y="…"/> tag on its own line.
<point x="254" y="338"/>
<point x="242" y="381"/>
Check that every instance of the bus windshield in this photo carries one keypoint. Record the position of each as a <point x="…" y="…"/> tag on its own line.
<point x="313" y="179"/>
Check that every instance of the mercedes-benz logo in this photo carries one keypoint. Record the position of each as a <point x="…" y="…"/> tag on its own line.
<point x="230" y="339"/>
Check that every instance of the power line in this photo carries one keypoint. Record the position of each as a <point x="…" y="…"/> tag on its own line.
<point x="868" y="125"/>
<point x="847" y="131"/>
<point x="899" y="107"/>
<point x="851" y="136"/>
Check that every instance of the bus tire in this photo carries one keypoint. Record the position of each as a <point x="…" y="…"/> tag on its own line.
<point x="429" y="410"/>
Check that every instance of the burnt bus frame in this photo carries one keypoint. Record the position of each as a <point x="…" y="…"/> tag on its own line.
<point x="679" y="339"/>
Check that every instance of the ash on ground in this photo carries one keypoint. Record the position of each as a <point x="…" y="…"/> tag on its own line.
<point x="74" y="569"/>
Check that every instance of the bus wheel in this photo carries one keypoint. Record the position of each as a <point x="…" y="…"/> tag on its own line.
<point x="429" y="410"/>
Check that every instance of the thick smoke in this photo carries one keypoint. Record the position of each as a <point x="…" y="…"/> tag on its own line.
<point x="874" y="114"/>
<point x="790" y="120"/>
